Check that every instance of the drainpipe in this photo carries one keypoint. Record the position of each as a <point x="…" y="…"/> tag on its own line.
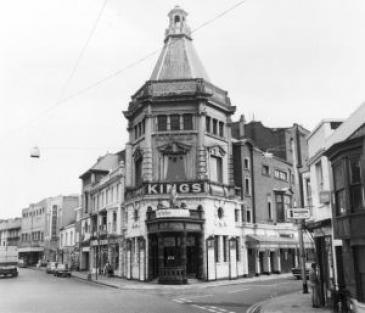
<point x="253" y="197"/>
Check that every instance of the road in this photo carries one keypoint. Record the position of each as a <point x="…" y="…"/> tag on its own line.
<point x="36" y="292"/>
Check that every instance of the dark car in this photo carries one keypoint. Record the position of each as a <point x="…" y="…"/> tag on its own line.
<point x="51" y="267"/>
<point x="62" y="271"/>
<point x="297" y="271"/>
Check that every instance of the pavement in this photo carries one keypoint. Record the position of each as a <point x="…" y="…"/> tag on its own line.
<point x="122" y="283"/>
<point x="294" y="302"/>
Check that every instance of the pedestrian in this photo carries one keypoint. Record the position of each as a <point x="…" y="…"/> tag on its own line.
<point x="314" y="283"/>
<point x="108" y="271"/>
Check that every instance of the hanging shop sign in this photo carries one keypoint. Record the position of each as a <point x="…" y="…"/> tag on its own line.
<point x="165" y="188"/>
<point x="298" y="213"/>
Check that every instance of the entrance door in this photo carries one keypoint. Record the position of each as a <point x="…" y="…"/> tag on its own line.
<point x="153" y="257"/>
<point x="192" y="256"/>
<point x="261" y="260"/>
<point x="251" y="262"/>
<point x="272" y="259"/>
<point x="192" y="261"/>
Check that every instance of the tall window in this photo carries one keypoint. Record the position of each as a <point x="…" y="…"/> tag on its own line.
<point x="207" y="124"/>
<point x="356" y="189"/>
<point x="269" y="210"/>
<point x="176" y="170"/>
<point x="248" y="216"/>
<point x="246" y="163"/>
<point x="175" y="122"/>
<point x="340" y="191"/>
<point x="221" y="129"/>
<point x="216" y="248"/>
<point x="225" y="248"/>
<point x="188" y="121"/>
<point x="319" y="175"/>
<point x="138" y="171"/>
<point x="215" y="122"/>
<point x="162" y="122"/>
<point x="216" y="169"/>
<point x="247" y="186"/>
<point x="135" y="132"/>
<point x="236" y="215"/>
<point x="238" y="249"/>
<point x="282" y="203"/>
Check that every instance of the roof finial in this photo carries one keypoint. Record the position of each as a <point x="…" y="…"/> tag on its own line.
<point x="177" y="24"/>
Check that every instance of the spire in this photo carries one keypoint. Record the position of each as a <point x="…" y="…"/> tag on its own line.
<point x="178" y="59"/>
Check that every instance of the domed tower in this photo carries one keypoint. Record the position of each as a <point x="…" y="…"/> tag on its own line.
<point x="179" y="139"/>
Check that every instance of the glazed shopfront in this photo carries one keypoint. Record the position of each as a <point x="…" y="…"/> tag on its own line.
<point x="175" y="243"/>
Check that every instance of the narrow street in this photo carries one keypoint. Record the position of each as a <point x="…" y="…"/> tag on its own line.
<point x="36" y="292"/>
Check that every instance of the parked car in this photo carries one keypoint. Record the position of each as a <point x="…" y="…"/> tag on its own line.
<point x="297" y="271"/>
<point x="51" y="267"/>
<point x="62" y="271"/>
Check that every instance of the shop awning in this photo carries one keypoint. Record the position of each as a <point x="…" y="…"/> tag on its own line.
<point x="271" y="242"/>
<point x="31" y="249"/>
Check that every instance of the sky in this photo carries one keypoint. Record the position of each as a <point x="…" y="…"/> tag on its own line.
<point x="282" y="62"/>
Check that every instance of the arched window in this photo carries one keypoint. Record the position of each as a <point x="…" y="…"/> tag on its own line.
<point x="177" y="19"/>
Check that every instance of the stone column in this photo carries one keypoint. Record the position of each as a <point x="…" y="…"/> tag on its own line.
<point x="232" y="258"/>
<point x="141" y="258"/>
<point x="201" y="151"/>
<point x="267" y="265"/>
<point x="277" y="262"/>
<point x="257" y="262"/>
<point x="147" y="174"/>
<point x="296" y="257"/>
<point x="92" y="259"/>
<point x="128" y="165"/>
<point x="244" y="261"/>
<point x="210" y="259"/>
<point x="128" y="260"/>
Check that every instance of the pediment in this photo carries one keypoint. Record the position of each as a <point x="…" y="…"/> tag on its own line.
<point x="216" y="150"/>
<point x="174" y="148"/>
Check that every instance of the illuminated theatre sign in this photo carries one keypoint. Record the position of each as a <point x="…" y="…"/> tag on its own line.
<point x="165" y="188"/>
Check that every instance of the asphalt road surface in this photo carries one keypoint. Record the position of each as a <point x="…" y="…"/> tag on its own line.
<point x="37" y="292"/>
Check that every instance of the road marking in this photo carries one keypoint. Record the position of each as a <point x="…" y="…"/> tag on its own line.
<point x="239" y="290"/>
<point x="201" y="296"/>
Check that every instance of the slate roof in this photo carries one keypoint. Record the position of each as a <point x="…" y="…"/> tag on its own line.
<point x="348" y="127"/>
<point x="178" y="58"/>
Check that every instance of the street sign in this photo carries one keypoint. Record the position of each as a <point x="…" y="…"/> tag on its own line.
<point x="298" y="213"/>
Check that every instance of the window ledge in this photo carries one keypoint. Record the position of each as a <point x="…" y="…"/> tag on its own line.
<point x="216" y="136"/>
<point x="135" y="141"/>
<point x="177" y="132"/>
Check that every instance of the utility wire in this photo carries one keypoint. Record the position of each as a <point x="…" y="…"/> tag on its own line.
<point x="120" y="71"/>
<point x="219" y="16"/>
<point x="83" y="50"/>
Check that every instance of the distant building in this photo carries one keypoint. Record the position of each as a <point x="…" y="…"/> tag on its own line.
<point x="41" y="222"/>
<point x="269" y="189"/>
<point x="101" y="214"/>
<point x="10" y="231"/>
<point x="68" y="245"/>
<point x="345" y="149"/>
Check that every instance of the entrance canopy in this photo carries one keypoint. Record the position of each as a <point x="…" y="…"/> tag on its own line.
<point x="31" y="249"/>
<point x="271" y="242"/>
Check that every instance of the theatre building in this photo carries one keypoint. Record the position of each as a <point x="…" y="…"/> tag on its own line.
<point x="181" y="204"/>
